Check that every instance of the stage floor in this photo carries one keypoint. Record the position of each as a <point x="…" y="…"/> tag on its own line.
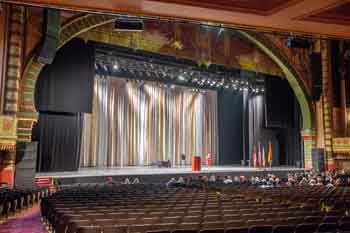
<point x="146" y="171"/>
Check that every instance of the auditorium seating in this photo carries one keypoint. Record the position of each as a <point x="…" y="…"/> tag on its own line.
<point x="145" y="208"/>
<point x="13" y="200"/>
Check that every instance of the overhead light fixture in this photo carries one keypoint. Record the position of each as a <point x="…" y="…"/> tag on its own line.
<point x="115" y="66"/>
<point x="129" y="25"/>
<point x="105" y="67"/>
<point x="301" y="43"/>
<point x="181" y="77"/>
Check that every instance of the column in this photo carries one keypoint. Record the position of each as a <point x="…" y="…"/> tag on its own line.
<point x="14" y="62"/>
<point x="343" y="112"/>
<point x="308" y="136"/>
<point x="327" y="102"/>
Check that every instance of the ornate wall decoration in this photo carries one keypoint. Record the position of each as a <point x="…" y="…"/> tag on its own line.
<point x="298" y="58"/>
<point x="8" y="136"/>
<point x="341" y="146"/>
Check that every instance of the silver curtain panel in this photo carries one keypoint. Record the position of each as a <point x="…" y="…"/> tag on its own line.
<point x="136" y="124"/>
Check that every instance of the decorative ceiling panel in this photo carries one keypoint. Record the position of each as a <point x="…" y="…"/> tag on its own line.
<point x="261" y="7"/>
<point x="338" y="14"/>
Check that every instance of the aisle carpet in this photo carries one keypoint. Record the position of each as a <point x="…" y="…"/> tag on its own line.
<point x="28" y="221"/>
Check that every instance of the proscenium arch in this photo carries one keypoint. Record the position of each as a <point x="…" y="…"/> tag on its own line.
<point x="291" y="76"/>
<point x="27" y="112"/>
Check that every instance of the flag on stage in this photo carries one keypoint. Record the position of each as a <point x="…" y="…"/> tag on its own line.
<point x="259" y="156"/>
<point x="269" y="156"/>
<point x="263" y="157"/>
<point x="254" y="156"/>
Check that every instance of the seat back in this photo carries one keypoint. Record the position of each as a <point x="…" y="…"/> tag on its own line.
<point x="344" y="226"/>
<point x="331" y="219"/>
<point x="185" y="231"/>
<point x="306" y="228"/>
<point x="236" y="230"/>
<point x="328" y="227"/>
<point x="212" y="231"/>
<point x="283" y="229"/>
<point x="260" y="229"/>
<point x="89" y="229"/>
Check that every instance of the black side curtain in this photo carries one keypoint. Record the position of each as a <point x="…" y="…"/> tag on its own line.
<point x="283" y="118"/>
<point x="59" y="137"/>
<point x="63" y="92"/>
<point x="230" y="123"/>
<point x="67" y="84"/>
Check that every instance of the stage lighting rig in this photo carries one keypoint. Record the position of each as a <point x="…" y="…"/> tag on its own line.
<point x="128" y="24"/>
<point x="301" y="43"/>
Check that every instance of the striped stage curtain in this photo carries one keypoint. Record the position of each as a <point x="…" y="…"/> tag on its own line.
<point x="137" y="124"/>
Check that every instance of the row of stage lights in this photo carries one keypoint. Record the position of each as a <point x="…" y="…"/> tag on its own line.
<point x="202" y="79"/>
<point x="165" y="85"/>
<point x="234" y="84"/>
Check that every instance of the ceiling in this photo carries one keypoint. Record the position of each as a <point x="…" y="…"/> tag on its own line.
<point x="317" y="17"/>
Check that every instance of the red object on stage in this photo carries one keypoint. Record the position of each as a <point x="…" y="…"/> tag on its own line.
<point x="196" y="163"/>
<point x="209" y="159"/>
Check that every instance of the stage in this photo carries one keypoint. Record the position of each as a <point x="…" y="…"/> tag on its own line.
<point x="156" y="174"/>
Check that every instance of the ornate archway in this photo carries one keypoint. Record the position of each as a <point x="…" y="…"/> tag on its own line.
<point x="27" y="114"/>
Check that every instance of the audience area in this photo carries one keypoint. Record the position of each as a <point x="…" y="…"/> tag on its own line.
<point x="13" y="201"/>
<point x="139" y="208"/>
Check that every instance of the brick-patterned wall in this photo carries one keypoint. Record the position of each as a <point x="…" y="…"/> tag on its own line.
<point x="308" y="137"/>
<point x="327" y="103"/>
<point x="14" y="62"/>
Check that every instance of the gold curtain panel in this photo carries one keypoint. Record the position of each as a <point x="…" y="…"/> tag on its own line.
<point x="138" y="124"/>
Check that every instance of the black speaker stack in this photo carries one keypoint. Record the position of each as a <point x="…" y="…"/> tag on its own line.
<point x="49" y="44"/>
<point x="26" y="154"/>
<point x="318" y="159"/>
<point x="316" y="71"/>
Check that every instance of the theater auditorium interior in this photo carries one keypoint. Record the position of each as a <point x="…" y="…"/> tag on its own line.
<point x="174" y="116"/>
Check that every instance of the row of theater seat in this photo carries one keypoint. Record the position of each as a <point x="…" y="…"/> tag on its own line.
<point x="142" y="208"/>
<point x="14" y="200"/>
<point x="301" y="228"/>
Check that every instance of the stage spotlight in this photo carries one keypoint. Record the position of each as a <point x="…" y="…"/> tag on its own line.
<point x="301" y="43"/>
<point x="227" y="86"/>
<point x="115" y="66"/>
<point x="181" y="78"/>
<point x="105" y="68"/>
